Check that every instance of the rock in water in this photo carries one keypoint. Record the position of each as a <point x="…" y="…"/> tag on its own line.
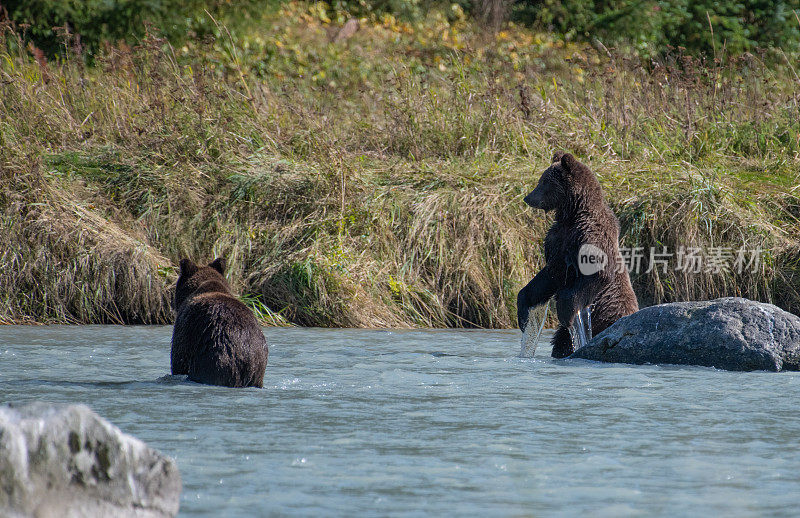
<point x="66" y="461"/>
<point x="729" y="333"/>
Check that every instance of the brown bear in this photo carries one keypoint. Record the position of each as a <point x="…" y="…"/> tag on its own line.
<point x="581" y="251"/>
<point x="216" y="339"/>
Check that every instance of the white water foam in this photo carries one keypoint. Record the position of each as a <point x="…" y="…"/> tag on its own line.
<point x="533" y="331"/>
<point x="581" y="329"/>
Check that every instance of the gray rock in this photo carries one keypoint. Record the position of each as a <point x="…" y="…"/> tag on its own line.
<point x="730" y="333"/>
<point x="66" y="461"/>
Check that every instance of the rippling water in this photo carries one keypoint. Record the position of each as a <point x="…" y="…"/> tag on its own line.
<point x="356" y="422"/>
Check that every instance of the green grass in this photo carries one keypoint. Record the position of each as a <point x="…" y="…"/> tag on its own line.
<point x="379" y="181"/>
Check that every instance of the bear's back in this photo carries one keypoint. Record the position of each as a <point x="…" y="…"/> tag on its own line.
<point x="217" y="340"/>
<point x="596" y="225"/>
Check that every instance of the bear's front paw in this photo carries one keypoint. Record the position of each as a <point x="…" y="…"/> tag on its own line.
<point x="562" y="343"/>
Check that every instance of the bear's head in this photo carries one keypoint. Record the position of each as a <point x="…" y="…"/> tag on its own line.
<point x="194" y="279"/>
<point x="563" y="184"/>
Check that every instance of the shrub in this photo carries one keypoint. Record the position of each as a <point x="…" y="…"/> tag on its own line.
<point x="651" y="25"/>
<point x="93" y="22"/>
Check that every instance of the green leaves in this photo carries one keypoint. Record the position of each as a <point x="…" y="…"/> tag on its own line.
<point x="701" y="26"/>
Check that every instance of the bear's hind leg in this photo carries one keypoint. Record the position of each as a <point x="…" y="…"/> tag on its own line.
<point x="562" y="343"/>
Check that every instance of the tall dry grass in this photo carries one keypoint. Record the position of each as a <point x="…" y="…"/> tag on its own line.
<point x="387" y="193"/>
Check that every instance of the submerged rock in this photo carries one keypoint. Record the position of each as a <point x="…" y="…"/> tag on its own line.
<point x="729" y="333"/>
<point x="66" y="461"/>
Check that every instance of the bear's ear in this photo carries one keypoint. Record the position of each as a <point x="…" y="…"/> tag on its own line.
<point x="187" y="267"/>
<point x="218" y="264"/>
<point x="568" y="162"/>
<point x="557" y="156"/>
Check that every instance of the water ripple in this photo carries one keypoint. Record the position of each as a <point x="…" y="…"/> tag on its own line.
<point x="410" y="423"/>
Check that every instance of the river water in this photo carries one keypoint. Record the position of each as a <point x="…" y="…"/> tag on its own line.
<point x="441" y="423"/>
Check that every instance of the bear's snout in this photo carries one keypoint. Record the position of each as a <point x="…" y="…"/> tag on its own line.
<point x="534" y="200"/>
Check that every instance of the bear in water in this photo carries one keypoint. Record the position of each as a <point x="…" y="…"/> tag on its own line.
<point x="581" y="251"/>
<point x="216" y="338"/>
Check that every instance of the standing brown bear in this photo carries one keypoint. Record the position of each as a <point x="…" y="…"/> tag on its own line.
<point x="216" y="339"/>
<point x="581" y="251"/>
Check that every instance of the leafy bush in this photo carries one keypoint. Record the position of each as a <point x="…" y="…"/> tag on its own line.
<point x="737" y="26"/>
<point x="404" y="9"/>
<point x="96" y="21"/>
<point x="699" y="26"/>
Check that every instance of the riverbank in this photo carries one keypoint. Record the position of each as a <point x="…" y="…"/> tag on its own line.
<point x="377" y="180"/>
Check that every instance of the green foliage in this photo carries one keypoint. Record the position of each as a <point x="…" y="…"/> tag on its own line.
<point x="737" y="26"/>
<point x="701" y="26"/>
<point x="93" y="22"/>
<point x="262" y="312"/>
<point x="650" y="26"/>
<point x="404" y="9"/>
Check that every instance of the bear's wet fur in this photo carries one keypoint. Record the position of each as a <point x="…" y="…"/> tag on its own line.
<point x="216" y="338"/>
<point x="581" y="217"/>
